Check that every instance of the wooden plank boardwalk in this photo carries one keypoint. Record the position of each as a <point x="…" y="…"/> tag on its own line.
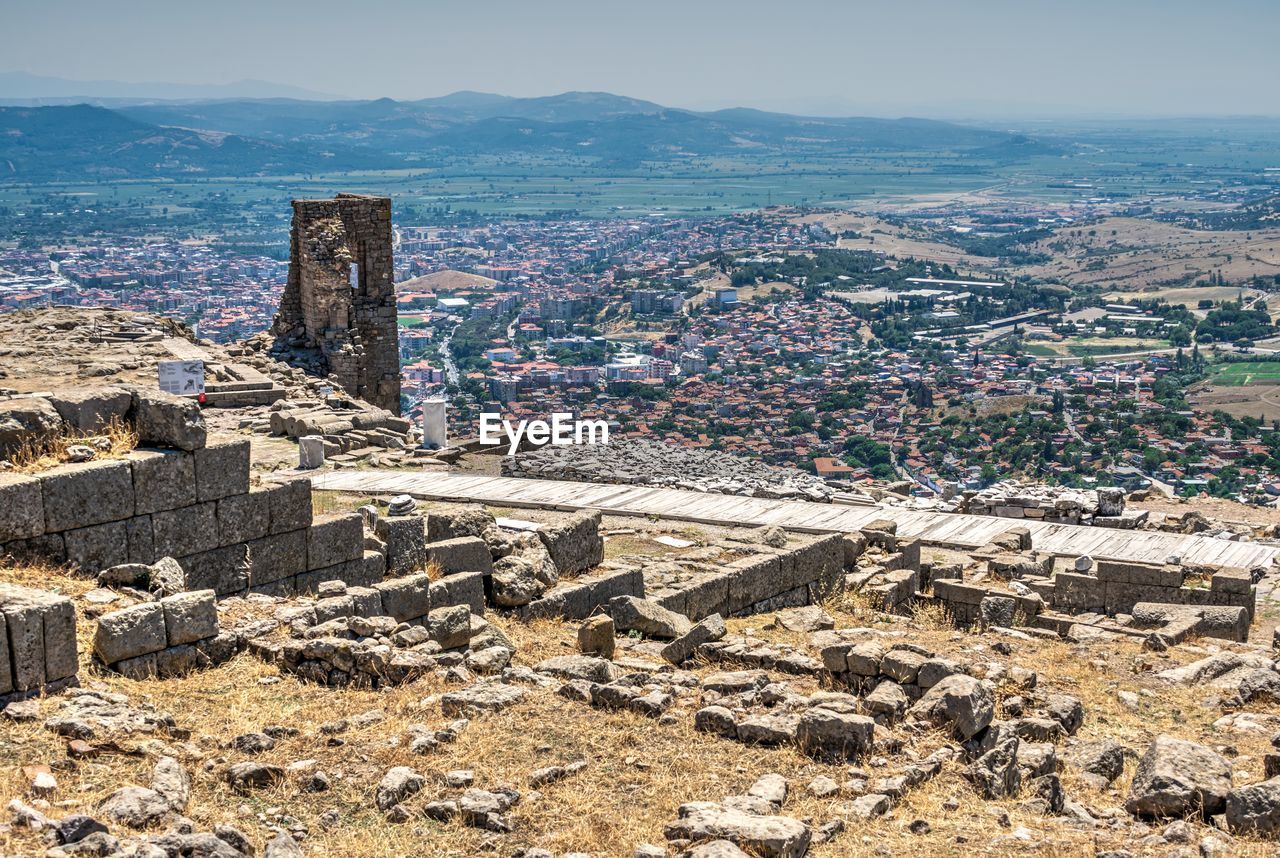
<point x="937" y="528"/>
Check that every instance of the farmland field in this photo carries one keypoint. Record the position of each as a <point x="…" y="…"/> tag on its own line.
<point x="1246" y="373"/>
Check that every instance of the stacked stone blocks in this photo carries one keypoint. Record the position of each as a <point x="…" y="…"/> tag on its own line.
<point x="37" y="642"/>
<point x="170" y="637"/>
<point x="196" y="506"/>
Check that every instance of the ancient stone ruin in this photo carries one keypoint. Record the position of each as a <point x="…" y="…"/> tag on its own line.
<point x="340" y="299"/>
<point x="866" y="673"/>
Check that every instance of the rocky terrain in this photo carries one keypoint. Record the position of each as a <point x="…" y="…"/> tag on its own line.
<point x="652" y="463"/>
<point x="199" y="655"/>
<point x="949" y="740"/>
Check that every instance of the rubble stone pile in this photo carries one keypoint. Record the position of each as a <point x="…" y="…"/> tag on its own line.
<point x="650" y="463"/>
<point x="1103" y="507"/>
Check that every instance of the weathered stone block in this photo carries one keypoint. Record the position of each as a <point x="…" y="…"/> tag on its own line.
<point x="1074" y="592"/>
<point x="469" y="520"/>
<point x="190" y="616"/>
<point x="462" y="588"/>
<point x="140" y="667"/>
<point x="1231" y="579"/>
<point x="406" y="540"/>
<point x="837" y="736"/>
<point x="142" y="547"/>
<point x="49" y="547"/>
<point x="130" y="632"/>
<point x="450" y="627"/>
<point x="223" y="570"/>
<point x="92" y="409"/>
<point x="61" y="659"/>
<point x="165" y="420"/>
<point x="465" y="554"/>
<point x="222" y="469"/>
<point x="281" y="555"/>
<point x="21" y="507"/>
<point x="407" y="598"/>
<point x="1145" y="574"/>
<point x="290" y="505"/>
<point x="92" y="549"/>
<point x="334" y="607"/>
<point x="163" y="479"/>
<point x="704" y="597"/>
<point x="243" y="518"/>
<point x="580" y="598"/>
<point x="86" y="493"/>
<point x="26" y="419"/>
<point x="190" y="530"/>
<point x="366" y="602"/>
<point x="364" y="572"/>
<point x="335" y="539"/>
<point x="574" y="544"/>
<point x="752" y="579"/>
<point x="6" y="671"/>
<point x="25" y="625"/>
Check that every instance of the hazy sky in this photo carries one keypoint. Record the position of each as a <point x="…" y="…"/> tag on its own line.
<point x="935" y="57"/>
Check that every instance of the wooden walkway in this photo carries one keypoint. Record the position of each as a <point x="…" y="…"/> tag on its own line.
<point x="937" y="528"/>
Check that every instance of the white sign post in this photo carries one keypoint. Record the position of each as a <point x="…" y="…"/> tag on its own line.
<point x="183" y="377"/>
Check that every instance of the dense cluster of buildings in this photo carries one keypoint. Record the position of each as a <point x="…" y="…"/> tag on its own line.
<point x="635" y="321"/>
<point x="223" y="296"/>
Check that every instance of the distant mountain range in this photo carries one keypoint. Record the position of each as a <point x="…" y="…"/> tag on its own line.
<point x="261" y="136"/>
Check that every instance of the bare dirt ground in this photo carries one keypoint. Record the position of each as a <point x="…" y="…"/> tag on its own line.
<point x="882" y="236"/>
<point x="1251" y="400"/>
<point x="445" y="281"/>
<point x="1219" y="509"/>
<point x="1132" y="254"/>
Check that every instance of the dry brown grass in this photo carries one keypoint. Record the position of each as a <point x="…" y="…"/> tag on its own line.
<point x="34" y="455"/>
<point x="328" y="503"/>
<point x="933" y="616"/>
<point x="638" y="771"/>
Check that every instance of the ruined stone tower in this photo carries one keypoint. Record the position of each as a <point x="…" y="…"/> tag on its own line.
<point x="340" y="298"/>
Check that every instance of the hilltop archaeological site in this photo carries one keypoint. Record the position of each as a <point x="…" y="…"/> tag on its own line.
<point x="282" y="619"/>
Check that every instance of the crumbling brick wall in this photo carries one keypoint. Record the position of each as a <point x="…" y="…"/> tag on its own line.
<point x="340" y="297"/>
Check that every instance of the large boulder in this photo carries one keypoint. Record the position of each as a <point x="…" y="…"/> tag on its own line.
<point x="397" y="784"/>
<point x="92" y="409"/>
<point x="996" y="774"/>
<point x="165" y="420"/>
<point x="136" y="807"/>
<point x="27" y="420"/>
<point x="1255" y="809"/>
<point x="470" y="520"/>
<point x="958" y="701"/>
<point x="766" y="836"/>
<point x="514" y="582"/>
<point x="828" y="735"/>
<point x="1179" y="778"/>
<point x="575" y="543"/>
<point x="648" y="618"/>
<point x="1102" y="760"/>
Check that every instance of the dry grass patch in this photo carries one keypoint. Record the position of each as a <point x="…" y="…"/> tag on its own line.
<point x="34" y="455"/>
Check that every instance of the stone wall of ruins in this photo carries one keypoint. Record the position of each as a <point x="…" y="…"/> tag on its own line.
<point x="340" y="297"/>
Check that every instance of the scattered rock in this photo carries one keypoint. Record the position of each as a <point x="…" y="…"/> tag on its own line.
<point x="1179" y="778"/>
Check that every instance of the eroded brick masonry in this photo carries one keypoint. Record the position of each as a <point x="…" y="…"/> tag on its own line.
<point x="340" y="297"/>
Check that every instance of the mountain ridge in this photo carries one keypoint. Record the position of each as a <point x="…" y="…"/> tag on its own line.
<point x="257" y="136"/>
